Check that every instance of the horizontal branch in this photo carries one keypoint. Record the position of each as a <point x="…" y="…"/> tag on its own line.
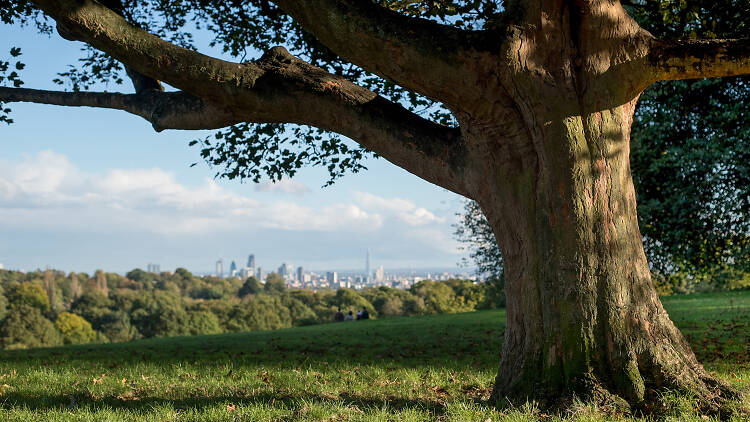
<point x="418" y="54"/>
<point x="278" y="88"/>
<point x="690" y="59"/>
<point x="164" y="110"/>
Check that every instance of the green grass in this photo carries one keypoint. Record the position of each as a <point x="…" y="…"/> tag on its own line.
<point x="405" y="369"/>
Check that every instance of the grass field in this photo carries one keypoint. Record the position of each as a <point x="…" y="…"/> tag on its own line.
<point x="411" y="369"/>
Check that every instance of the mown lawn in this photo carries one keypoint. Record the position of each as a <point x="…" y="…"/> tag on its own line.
<point x="410" y="369"/>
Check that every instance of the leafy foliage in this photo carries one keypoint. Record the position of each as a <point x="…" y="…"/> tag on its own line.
<point x="251" y="287"/>
<point x="475" y="232"/>
<point x="249" y="151"/>
<point x="690" y="166"/>
<point x="25" y="327"/>
<point x="29" y="294"/>
<point x="9" y="76"/>
<point x="274" y="284"/>
<point x="240" y="29"/>
<point x="166" y="304"/>
<point x="74" y="329"/>
<point x="689" y="154"/>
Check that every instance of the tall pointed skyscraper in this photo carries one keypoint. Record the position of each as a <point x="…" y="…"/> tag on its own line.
<point x="232" y="269"/>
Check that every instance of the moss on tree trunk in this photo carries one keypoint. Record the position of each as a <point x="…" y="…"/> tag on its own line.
<point x="584" y="319"/>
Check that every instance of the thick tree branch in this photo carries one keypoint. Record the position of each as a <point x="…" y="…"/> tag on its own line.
<point x="689" y="59"/>
<point x="278" y="88"/>
<point x="164" y="110"/>
<point x="418" y="54"/>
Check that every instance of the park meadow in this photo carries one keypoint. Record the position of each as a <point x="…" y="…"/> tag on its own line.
<point x="416" y="368"/>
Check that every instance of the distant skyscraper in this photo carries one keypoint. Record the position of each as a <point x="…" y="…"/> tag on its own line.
<point x="232" y="268"/>
<point x="367" y="266"/>
<point x="251" y="261"/>
<point x="153" y="268"/>
<point x="259" y="274"/>
<point x="379" y="274"/>
<point x="300" y="274"/>
<point x="220" y="268"/>
<point x="332" y="278"/>
<point x="286" y="271"/>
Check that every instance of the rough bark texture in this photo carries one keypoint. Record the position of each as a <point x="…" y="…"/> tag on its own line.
<point x="583" y="316"/>
<point x="544" y="105"/>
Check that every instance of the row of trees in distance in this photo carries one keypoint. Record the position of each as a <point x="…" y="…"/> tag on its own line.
<point x="50" y="308"/>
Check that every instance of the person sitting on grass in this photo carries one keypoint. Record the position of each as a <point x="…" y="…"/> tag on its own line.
<point x="365" y="314"/>
<point x="359" y="315"/>
<point x="349" y="317"/>
<point x="339" y="316"/>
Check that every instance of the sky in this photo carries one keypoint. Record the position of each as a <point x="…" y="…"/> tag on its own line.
<point x="83" y="188"/>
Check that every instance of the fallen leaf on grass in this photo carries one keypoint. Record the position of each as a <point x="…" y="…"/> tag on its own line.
<point x="231" y="408"/>
<point x="439" y="390"/>
<point x="100" y="379"/>
<point x="127" y="396"/>
<point x="264" y="376"/>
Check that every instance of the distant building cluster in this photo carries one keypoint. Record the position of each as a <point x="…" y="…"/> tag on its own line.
<point x="249" y="270"/>
<point x="300" y="278"/>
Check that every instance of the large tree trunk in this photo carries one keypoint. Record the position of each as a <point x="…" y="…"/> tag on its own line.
<point x="583" y="317"/>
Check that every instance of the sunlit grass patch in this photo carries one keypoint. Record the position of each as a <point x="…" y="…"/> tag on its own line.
<point x="432" y="368"/>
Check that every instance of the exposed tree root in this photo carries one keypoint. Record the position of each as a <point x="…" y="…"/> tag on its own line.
<point x="714" y="398"/>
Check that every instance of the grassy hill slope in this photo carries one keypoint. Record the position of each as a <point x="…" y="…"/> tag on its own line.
<point x="413" y="369"/>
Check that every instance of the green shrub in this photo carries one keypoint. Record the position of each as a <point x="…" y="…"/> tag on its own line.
<point x="29" y="294"/>
<point x="259" y="312"/>
<point x="251" y="287"/>
<point x="25" y="327"/>
<point x="74" y="329"/>
<point x="203" y="322"/>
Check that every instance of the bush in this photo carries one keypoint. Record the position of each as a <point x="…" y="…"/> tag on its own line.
<point x="300" y="313"/>
<point x="3" y="305"/>
<point x="25" y="327"/>
<point x="274" y="284"/>
<point x="251" y="287"/>
<point x="93" y="306"/>
<point x="203" y="322"/>
<point x="160" y="314"/>
<point x="116" y="326"/>
<point x="259" y="312"/>
<point x="350" y="300"/>
<point x="74" y="329"/>
<point x="29" y="294"/>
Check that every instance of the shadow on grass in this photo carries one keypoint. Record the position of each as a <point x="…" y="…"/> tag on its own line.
<point x="41" y="402"/>
<point x="474" y="341"/>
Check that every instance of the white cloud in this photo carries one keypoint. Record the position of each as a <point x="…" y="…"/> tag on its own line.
<point x="152" y="199"/>
<point x="283" y="185"/>
<point x="405" y="210"/>
<point x="47" y="195"/>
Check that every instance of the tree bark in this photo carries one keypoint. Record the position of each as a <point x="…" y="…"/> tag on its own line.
<point x="583" y="318"/>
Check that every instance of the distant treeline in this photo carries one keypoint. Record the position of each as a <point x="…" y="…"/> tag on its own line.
<point x="49" y="308"/>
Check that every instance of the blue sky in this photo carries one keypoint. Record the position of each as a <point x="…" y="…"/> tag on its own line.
<point x="82" y="189"/>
